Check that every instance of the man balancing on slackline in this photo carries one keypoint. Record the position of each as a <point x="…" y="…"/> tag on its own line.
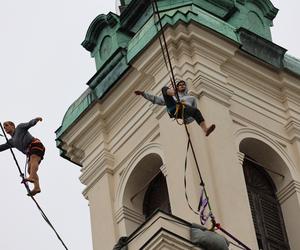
<point x="27" y="144"/>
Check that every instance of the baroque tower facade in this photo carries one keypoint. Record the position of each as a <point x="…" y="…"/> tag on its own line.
<point x="132" y="154"/>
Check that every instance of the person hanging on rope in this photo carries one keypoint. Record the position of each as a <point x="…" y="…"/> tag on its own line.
<point x="27" y="144"/>
<point x="186" y="109"/>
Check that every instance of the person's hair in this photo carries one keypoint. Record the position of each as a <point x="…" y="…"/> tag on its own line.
<point x="10" y="123"/>
<point x="179" y="81"/>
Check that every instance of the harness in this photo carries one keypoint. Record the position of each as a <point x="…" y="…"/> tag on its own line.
<point x="177" y="112"/>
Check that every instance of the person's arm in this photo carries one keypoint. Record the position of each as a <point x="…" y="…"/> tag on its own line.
<point x="194" y="104"/>
<point x="4" y="146"/>
<point x="30" y="124"/>
<point x="152" y="98"/>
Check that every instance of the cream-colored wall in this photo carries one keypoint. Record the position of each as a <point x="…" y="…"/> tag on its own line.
<point x="243" y="97"/>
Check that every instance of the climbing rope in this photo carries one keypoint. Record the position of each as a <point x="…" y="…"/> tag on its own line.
<point x="204" y="199"/>
<point x="166" y="56"/>
<point x="28" y="190"/>
<point x="164" y="48"/>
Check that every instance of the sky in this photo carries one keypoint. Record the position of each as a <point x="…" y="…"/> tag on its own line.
<point x="43" y="70"/>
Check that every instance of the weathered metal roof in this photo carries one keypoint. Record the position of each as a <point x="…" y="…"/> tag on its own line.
<point x="115" y="41"/>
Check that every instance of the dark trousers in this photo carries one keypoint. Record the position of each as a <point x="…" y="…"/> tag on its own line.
<point x="188" y="111"/>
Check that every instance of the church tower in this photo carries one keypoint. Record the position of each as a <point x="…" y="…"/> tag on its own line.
<point x="132" y="155"/>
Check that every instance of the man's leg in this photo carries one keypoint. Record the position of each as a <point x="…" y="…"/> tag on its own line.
<point x="196" y="114"/>
<point x="33" y="177"/>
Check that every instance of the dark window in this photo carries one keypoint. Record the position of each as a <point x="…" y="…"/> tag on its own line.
<point x="265" y="208"/>
<point x="156" y="196"/>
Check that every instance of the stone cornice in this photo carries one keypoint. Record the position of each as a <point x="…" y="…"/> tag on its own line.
<point x="291" y="101"/>
<point x="261" y="48"/>
<point x="90" y="125"/>
<point x="285" y="193"/>
<point x="164" y="231"/>
<point x="213" y="90"/>
<point x="129" y="214"/>
<point x="244" y="121"/>
<point x="103" y="160"/>
<point x="96" y="170"/>
<point x="75" y="154"/>
<point x="293" y="129"/>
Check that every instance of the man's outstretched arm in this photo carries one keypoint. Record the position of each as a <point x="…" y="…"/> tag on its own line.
<point x="152" y="98"/>
<point x="31" y="123"/>
<point x="4" y="146"/>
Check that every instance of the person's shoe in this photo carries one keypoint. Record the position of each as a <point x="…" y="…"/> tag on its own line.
<point x="33" y="192"/>
<point x="210" y="129"/>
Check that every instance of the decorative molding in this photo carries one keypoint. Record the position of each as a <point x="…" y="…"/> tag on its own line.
<point x="293" y="129"/>
<point x="125" y="213"/>
<point x="168" y="240"/>
<point x="241" y="157"/>
<point x="222" y="9"/>
<point x="164" y="231"/>
<point x="72" y="153"/>
<point x="101" y="165"/>
<point x="266" y="136"/>
<point x="164" y="170"/>
<point x="288" y="191"/>
<point x="95" y="28"/>
<point x="145" y="144"/>
<point x="261" y="48"/>
<point x="94" y="181"/>
<point x="257" y="128"/>
<point x="237" y="121"/>
<point x="75" y="154"/>
<point x="245" y="74"/>
<point x="159" y="111"/>
<point x="215" y="91"/>
<point x="129" y="163"/>
<point x="86" y="127"/>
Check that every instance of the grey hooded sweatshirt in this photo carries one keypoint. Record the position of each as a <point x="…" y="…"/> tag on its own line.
<point x="21" y="137"/>
<point x="183" y="97"/>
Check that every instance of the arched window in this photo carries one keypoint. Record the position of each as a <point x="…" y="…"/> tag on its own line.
<point x="265" y="208"/>
<point x="144" y="192"/>
<point x="156" y="196"/>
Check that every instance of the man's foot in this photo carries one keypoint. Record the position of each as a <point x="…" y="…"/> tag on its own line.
<point x="210" y="129"/>
<point x="33" y="192"/>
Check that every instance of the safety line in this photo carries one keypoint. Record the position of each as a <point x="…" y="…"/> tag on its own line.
<point x="218" y="226"/>
<point x="156" y="11"/>
<point x="28" y="190"/>
<point x="161" y="45"/>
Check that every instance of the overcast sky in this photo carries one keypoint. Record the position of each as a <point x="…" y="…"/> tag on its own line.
<point x="43" y="70"/>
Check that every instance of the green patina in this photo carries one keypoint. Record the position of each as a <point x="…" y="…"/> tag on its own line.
<point x="104" y="37"/>
<point x="115" y="41"/>
<point x="292" y="64"/>
<point x="76" y="109"/>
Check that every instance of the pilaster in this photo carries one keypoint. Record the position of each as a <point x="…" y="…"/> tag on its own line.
<point x="289" y="198"/>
